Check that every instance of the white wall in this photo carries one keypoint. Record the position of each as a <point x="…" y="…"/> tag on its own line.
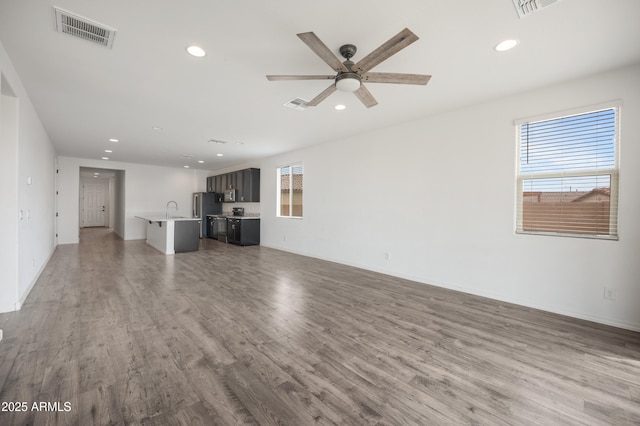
<point x="144" y="189"/>
<point x="438" y="195"/>
<point x="36" y="194"/>
<point x="27" y="215"/>
<point x="9" y="205"/>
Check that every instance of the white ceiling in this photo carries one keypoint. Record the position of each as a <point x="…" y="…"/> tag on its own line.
<point x="86" y="94"/>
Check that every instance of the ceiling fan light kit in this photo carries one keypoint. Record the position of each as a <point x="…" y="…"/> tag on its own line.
<point x="348" y="82"/>
<point x="350" y="75"/>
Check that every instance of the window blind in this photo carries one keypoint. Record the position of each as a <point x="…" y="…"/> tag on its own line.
<point x="568" y="172"/>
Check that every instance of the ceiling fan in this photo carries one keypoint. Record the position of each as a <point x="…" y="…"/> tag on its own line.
<point x="351" y="76"/>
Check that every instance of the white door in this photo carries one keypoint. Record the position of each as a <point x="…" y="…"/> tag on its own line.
<point x="93" y="202"/>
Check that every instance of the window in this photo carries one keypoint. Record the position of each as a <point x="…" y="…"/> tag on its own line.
<point x="568" y="175"/>
<point x="290" y="179"/>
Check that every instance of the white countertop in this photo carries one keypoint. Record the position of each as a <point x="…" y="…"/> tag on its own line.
<point x="165" y="219"/>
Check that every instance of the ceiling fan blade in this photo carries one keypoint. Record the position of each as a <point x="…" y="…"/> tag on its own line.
<point x="322" y="96"/>
<point x="396" y="78"/>
<point x="321" y="49"/>
<point x="388" y="49"/>
<point x="365" y="96"/>
<point x="300" y="77"/>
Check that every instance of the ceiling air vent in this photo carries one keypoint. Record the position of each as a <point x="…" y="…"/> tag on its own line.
<point x="527" y="7"/>
<point x="86" y="29"/>
<point x="297" y="103"/>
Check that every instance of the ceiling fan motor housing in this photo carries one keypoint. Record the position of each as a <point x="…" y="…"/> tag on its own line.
<point x="348" y="50"/>
<point x="348" y="81"/>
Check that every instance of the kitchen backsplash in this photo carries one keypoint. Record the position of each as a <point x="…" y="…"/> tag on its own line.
<point x="249" y="208"/>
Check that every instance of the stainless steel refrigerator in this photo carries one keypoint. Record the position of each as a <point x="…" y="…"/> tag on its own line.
<point x="205" y="203"/>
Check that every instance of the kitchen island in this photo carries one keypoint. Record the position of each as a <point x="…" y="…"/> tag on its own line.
<point x="173" y="234"/>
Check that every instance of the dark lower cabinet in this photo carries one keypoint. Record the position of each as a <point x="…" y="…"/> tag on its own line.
<point x="186" y="235"/>
<point x="212" y="227"/>
<point x="245" y="232"/>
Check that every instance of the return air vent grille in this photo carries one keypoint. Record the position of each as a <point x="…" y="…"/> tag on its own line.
<point x="298" y="104"/>
<point x="527" y="7"/>
<point x="83" y="28"/>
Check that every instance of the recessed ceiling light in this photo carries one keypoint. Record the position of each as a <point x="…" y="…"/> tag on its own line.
<point x="186" y="167"/>
<point x="505" y="45"/>
<point x="219" y="155"/>
<point x="339" y="107"/>
<point x="114" y="140"/>
<point x="201" y="161"/>
<point x="105" y="158"/>
<point x="96" y="173"/>
<point x="107" y="150"/>
<point x="156" y="128"/>
<point x="196" y="51"/>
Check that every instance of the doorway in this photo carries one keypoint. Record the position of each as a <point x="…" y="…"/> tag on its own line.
<point x="98" y="202"/>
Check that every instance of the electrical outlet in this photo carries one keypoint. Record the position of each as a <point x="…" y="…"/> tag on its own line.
<point x="609" y="293"/>
<point x="387" y="255"/>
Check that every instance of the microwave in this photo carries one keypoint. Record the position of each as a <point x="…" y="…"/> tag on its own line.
<point x="230" y="195"/>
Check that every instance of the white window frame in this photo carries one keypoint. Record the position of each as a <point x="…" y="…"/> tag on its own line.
<point x="612" y="172"/>
<point x="279" y="190"/>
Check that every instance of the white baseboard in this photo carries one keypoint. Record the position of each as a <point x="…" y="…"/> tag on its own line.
<point x="578" y="315"/>
<point x="33" y="282"/>
<point x="12" y="307"/>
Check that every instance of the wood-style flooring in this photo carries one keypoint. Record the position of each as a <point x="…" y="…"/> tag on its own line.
<point x="250" y="335"/>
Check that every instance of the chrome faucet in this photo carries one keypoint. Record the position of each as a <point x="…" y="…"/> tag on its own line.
<point x="167" y="210"/>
